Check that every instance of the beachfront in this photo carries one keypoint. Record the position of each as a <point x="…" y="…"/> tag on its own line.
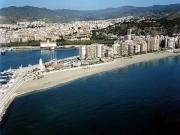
<point x="92" y="59"/>
<point x="60" y="77"/>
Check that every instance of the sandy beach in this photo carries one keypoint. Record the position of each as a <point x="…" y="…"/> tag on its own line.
<point x="61" y="77"/>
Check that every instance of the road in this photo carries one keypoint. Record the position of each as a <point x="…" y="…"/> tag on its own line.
<point x="10" y="93"/>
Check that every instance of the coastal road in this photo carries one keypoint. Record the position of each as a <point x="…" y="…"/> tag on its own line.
<point x="10" y="93"/>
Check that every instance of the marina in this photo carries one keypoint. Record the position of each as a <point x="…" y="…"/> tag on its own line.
<point x="7" y="78"/>
<point x="20" y="71"/>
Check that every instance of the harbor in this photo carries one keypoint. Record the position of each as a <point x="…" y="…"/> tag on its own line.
<point x="23" y="69"/>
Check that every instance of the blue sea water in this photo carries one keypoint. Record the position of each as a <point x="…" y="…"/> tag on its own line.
<point x="142" y="99"/>
<point x="24" y="58"/>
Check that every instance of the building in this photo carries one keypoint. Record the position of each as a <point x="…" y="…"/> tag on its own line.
<point x="128" y="36"/>
<point x="48" y="45"/>
<point x="137" y="48"/>
<point x="100" y="50"/>
<point x="140" y="40"/>
<point x="153" y="43"/>
<point x="178" y="43"/>
<point x="116" y="49"/>
<point x="171" y="43"/>
<point x="157" y="43"/>
<point x="124" y="49"/>
<point x="91" y="51"/>
<point x="131" y="49"/>
<point x="108" y="52"/>
<point x="82" y="52"/>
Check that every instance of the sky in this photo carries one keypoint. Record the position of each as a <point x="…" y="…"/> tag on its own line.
<point x="84" y="4"/>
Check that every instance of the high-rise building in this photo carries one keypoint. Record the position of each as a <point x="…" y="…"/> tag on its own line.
<point x="157" y="43"/>
<point x="108" y="51"/>
<point x="124" y="49"/>
<point x="140" y="40"/>
<point x="153" y="44"/>
<point x="100" y="48"/>
<point x="166" y="41"/>
<point x="131" y="49"/>
<point x="178" y="43"/>
<point x="171" y="42"/>
<point x="82" y="52"/>
<point x="137" y="48"/>
<point x="116" y="49"/>
<point x="91" y="51"/>
<point x="129" y="36"/>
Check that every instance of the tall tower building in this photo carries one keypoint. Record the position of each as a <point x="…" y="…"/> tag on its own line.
<point x="82" y="52"/>
<point x="129" y="36"/>
<point x="99" y="50"/>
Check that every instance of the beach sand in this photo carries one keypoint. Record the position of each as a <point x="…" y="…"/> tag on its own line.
<point x="61" y="77"/>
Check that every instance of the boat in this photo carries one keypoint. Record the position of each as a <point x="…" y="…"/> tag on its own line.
<point x="2" y="80"/>
<point x="2" y="52"/>
<point x="10" y="49"/>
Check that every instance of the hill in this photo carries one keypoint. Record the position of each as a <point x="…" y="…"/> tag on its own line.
<point x="168" y="25"/>
<point x="12" y="14"/>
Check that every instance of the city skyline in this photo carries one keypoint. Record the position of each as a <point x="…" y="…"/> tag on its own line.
<point x="85" y="4"/>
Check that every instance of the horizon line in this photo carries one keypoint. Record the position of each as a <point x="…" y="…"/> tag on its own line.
<point x="88" y="9"/>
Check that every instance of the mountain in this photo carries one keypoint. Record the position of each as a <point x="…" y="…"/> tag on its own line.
<point x="12" y="14"/>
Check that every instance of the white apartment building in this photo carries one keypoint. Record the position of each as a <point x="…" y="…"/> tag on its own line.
<point x="91" y="51"/>
<point x="100" y="51"/>
<point x="171" y="42"/>
<point x="116" y="49"/>
<point x="82" y="51"/>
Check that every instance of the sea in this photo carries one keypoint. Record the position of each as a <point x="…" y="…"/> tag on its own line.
<point x="141" y="99"/>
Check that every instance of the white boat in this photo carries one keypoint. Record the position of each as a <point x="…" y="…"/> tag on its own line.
<point x="3" y="80"/>
<point x="5" y="86"/>
<point x="10" y="49"/>
<point x="2" y="52"/>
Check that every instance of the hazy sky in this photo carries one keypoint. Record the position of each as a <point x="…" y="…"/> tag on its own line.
<point x="84" y="4"/>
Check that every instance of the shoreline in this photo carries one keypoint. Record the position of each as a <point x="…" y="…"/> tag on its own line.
<point x="24" y="48"/>
<point x="59" y="78"/>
